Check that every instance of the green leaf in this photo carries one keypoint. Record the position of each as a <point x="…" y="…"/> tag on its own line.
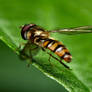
<point x="52" y="15"/>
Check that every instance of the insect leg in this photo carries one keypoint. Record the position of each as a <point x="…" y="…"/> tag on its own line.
<point x="30" y="61"/>
<point x="57" y="59"/>
<point x="49" y="56"/>
<point x="43" y="49"/>
<point x="30" y="52"/>
<point x="23" y="52"/>
<point x="26" y="52"/>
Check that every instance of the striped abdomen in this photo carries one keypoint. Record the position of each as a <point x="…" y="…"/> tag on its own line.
<point x="58" y="48"/>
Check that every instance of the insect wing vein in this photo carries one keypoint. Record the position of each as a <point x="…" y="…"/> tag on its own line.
<point x="77" y="30"/>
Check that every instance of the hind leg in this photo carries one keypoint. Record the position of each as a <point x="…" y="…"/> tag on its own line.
<point x="56" y="59"/>
<point x="59" y="61"/>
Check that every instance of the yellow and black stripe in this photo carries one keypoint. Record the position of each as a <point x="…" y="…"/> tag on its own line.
<point x="58" y="48"/>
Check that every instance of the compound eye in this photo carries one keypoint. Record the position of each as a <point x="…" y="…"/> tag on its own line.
<point x="25" y="36"/>
<point x="25" y="29"/>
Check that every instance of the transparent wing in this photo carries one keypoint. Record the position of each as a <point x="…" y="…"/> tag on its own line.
<point x="77" y="30"/>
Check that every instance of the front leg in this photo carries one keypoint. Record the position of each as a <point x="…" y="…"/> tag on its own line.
<point x="26" y="52"/>
<point x="23" y="52"/>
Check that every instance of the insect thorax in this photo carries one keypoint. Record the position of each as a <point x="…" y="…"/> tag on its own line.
<point x="39" y="40"/>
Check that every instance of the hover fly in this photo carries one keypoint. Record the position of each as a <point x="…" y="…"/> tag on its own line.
<point x="40" y="37"/>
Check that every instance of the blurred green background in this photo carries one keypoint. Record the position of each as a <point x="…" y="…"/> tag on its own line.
<point x="51" y="14"/>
